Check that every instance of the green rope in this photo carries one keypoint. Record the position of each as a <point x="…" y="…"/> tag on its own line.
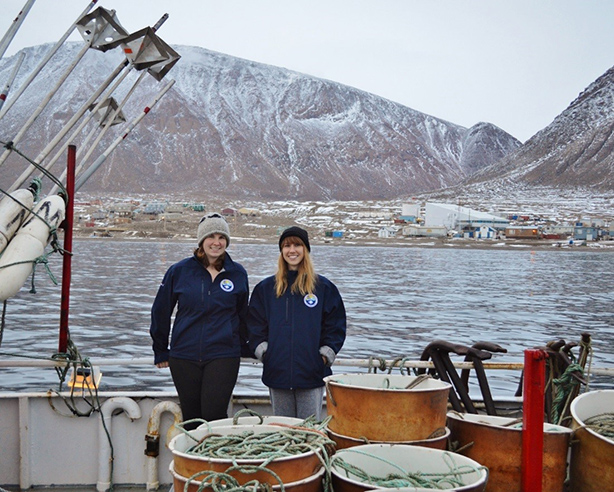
<point x="564" y="389"/>
<point x="382" y="364"/>
<point x="225" y="482"/>
<point x="451" y="478"/>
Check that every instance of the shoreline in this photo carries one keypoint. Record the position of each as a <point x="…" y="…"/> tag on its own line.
<point x="435" y="243"/>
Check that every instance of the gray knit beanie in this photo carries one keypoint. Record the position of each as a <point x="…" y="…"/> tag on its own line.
<point x="211" y="224"/>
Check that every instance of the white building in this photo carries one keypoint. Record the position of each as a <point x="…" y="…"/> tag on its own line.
<point x="458" y="217"/>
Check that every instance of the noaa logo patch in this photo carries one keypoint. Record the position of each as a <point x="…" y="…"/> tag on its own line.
<point x="227" y="285"/>
<point x="310" y="300"/>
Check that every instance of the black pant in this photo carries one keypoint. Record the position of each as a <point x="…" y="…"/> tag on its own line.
<point x="204" y="388"/>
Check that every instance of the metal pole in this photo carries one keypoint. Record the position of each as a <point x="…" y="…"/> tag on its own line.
<point x="106" y="127"/>
<point x="533" y="419"/>
<point x="92" y="169"/>
<point x="44" y="61"/>
<point x="9" y="83"/>
<point x="88" y="117"/>
<point x="24" y="176"/>
<point x="67" y="259"/>
<point x="12" y="30"/>
<point x="42" y="106"/>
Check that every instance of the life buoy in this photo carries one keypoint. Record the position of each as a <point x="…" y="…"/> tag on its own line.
<point x="14" y="209"/>
<point x="28" y="244"/>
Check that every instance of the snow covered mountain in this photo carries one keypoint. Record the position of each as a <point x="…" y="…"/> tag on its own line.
<point x="575" y="150"/>
<point x="236" y="128"/>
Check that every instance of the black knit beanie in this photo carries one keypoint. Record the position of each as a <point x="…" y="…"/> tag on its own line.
<point x="295" y="231"/>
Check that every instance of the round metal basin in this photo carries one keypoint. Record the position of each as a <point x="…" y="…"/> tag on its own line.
<point x="592" y="454"/>
<point x="379" y="407"/>
<point x="499" y="447"/>
<point x="288" y="468"/>
<point x="381" y="460"/>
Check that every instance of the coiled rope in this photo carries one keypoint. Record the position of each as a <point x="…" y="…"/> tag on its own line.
<point x="265" y="447"/>
<point x="225" y="482"/>
<point x="602" y="424"/>
<point x="451" y="478"/>
<point x="566" y="387"/>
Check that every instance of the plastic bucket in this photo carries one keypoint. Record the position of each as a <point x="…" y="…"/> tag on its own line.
<point x="379" y="407"/>
<point x="592" y="454"/>
<point x="288" y="468"/>
<point x="499" y="447"/>
<point x="381" y="460"/>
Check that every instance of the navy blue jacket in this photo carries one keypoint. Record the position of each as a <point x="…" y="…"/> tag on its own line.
<point x="296" y="328"/>
<point x="210" y="322"/>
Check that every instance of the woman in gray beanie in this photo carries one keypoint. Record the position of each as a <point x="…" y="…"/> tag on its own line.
<point x="209" y="334"/>
<point x="297" y="326"/>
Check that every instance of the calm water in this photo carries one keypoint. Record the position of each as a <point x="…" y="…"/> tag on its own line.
<point x="397" y="299"/>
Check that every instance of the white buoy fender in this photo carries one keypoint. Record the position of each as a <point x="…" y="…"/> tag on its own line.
<point x="14" y="209"/>
<point x="28" y="244"/>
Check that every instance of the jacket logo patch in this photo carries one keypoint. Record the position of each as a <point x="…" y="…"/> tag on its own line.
<point x="227" y="285"/>
<point x="310" y="300"/>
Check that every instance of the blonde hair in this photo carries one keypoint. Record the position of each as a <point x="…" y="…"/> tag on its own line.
<point x="306" y="280"/>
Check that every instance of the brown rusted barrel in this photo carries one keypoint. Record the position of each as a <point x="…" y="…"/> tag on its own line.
<point x="438" y="440"/>
<point x="313" y="483"/>
<point x="492" y="443"/>
<point x="592" y="454"/>
<point x="383" y="460"/>
<point x="381" y="407"/>
<point x="288" y="468"/>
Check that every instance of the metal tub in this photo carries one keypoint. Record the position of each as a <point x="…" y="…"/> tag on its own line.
<point x="288" y="468"/>
<point x="499" y="448"/>
<point x="381" y="460"/>
<point x="378" y="407"/>
<point x="592" y="455"/>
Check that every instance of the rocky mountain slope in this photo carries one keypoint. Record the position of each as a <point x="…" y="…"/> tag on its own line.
<point x="236" y="128"/>
<point x="575" y="150"/>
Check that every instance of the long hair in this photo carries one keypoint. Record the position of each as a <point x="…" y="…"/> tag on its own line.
<point x="204" y="260"/>
<point x="306" y="280"/>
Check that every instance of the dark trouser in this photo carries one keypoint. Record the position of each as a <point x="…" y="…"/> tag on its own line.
<point x="204" y="388"/>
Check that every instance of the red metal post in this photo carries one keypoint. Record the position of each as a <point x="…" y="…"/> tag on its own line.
<point x="533" y="420"/>
<point x="67" y="259"/>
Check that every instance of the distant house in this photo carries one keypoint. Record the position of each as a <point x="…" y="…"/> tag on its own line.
<point x="249" y="212"/>
<point x="229" y="212"/>
<point x="100" y="214"/>
<point x="386" y="232"/>
<point x="174" y="208"/>
<point x="122" y="209"/>
<point x="155" y="208"/>
<point x="485" y="232"/>
<point x="586" y="233"/>
<point x="522" y="232"/>
<point x="424" y="231"/>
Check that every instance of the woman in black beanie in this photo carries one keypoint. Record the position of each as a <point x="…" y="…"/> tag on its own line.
<point x="297" y="325"/>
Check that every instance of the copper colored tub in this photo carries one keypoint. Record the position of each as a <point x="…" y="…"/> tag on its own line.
<point x="378" y="407"/>
<point x="381" y="460"/>
<point x="312" y="483"/>
<point x="440" y="440"/>
<point x="592" y="455"/>
<point x="499" y="448"/>
<point x="288" y="468"/>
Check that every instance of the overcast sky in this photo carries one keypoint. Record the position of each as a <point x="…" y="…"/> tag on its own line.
<point x="514" y="63"/>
